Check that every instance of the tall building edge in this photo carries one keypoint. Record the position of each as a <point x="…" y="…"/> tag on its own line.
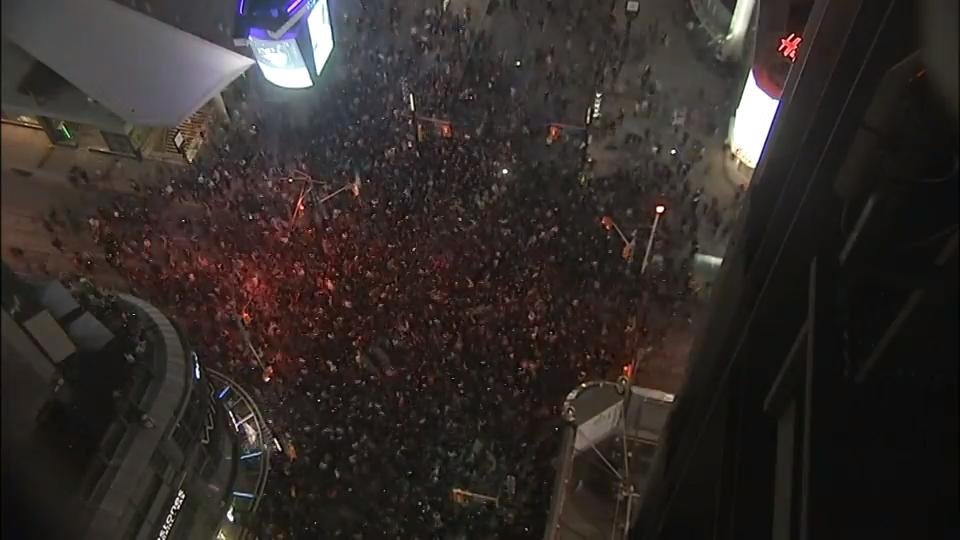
<point x="832" y="324"/>
<point x="114" y="428"/>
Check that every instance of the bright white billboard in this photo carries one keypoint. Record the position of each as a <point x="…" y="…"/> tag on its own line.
<point x="752" y="123"/>
<point x="281" y="62"/>
<point x="321" y="35"/>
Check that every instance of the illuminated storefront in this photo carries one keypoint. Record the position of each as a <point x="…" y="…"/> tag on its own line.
<point x="291" y="40"/>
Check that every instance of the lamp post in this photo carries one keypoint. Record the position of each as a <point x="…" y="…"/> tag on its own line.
<point x="609" y="223"/>
<point x="463" y="496"/>
<point x="658" y="211"/>
<point x="299" y="207"/>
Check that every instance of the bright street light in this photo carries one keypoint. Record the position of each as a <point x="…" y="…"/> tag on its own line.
<point x="659" y="210"/>
<point x="505" y="171"/>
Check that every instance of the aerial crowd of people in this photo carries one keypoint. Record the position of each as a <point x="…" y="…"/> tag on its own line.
<point x="414" y="332"/>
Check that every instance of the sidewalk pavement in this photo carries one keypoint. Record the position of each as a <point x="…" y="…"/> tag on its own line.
<point x="35" y="181"/>
<point x="692" y="96"/>
<point x="28" y="150"/>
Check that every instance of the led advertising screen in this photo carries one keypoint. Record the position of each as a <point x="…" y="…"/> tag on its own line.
<point x="281" y="62"/>
<point x="752" y="123"/>
<point x="321" y="35"/>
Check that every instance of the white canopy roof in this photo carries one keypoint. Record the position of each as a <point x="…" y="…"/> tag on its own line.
<point x="146" y="72"/>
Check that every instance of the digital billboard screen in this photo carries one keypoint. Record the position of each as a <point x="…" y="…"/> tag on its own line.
<point x="281" y="62"/>
<point x="752" y="122"/>
<point x="321" y="34"/>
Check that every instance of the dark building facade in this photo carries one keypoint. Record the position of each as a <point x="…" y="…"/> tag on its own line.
<point x="821" y="400"/>
<point x="113" y="427"/>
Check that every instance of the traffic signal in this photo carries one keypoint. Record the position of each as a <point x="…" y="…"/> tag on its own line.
<point x="446" y="130"/>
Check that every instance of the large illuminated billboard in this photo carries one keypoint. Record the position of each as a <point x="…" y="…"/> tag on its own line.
<point x="752" y="122"/>
<point x="321" y="35"/>
<point x="281" y="62"/>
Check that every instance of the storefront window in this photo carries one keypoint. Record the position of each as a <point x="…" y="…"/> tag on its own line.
<point x="119" y="143"/>
<point x="60" y="133"/>
<point x="21" y="120"/>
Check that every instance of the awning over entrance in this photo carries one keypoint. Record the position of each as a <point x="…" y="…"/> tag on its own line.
<point x="146" y="72"/>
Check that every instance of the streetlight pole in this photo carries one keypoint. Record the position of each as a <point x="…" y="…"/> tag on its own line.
<point x="609" y="223"/>
<point x="333" y="194"/>
<point x="298" y="208"/>
<point x="658" y="211"/>
<point x="461" y="496"/>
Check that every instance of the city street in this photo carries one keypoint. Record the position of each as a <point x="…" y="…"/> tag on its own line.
<point x="482" y="265"/>
<point x="692" y="102"/>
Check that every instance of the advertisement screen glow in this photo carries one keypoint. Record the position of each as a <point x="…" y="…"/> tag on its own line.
<point x="281" y="62"/>
<point x="752" y="123"/>
<point x="321" y="35"/>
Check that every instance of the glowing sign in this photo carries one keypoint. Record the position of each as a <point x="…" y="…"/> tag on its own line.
<point x="321" y="35"/>
<point x="752" y="123"/>
<point x="171" y="516"/>
<point x="281" y="62"/>
<point x="293" y="5"/>
<point x="597" y="102"/>
<point x="789" y="45"/>
<point x="196" y="366"/>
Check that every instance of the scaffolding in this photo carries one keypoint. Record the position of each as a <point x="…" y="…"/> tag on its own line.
<point x="611" y="434"/>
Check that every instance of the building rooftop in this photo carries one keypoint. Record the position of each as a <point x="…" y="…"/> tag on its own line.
<point x="74" y="362"/>
<point x="211" y="20"/>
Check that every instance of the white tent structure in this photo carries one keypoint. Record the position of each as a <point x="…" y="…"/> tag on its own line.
<point x="144" y="71"/>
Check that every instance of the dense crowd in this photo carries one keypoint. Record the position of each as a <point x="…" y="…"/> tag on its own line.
<point x="417" y="332"/>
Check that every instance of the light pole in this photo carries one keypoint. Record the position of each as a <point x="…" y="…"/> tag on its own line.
<point x="609" y="223"/>
<point x="658" y="211"/>
<point x="299" y="207"/>
<point x="463" y="496"/>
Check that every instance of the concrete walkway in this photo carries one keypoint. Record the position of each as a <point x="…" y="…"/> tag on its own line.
<point x="692" y="96"/>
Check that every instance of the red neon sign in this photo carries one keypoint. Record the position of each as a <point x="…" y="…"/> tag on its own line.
<point x="789" y="45"/>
